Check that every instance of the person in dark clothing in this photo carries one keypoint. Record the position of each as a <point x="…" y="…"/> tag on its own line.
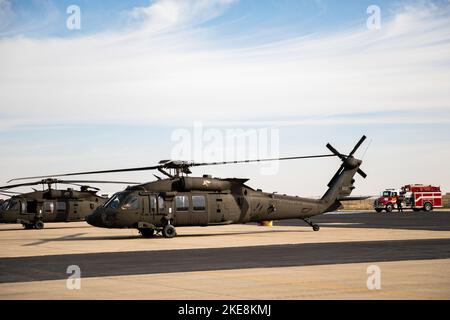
<point x="400" y="199"/>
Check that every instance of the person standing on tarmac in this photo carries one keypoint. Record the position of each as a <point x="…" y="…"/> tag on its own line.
<point x="399" y="203"/>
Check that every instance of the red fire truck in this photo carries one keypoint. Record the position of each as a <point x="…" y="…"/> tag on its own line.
<point x="416" y="197"/>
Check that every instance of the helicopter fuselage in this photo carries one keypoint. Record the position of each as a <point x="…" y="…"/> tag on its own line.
<point x="199" y="201"/>
<point x="31" y="209"/>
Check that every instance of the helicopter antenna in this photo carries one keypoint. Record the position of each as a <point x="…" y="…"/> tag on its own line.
<point x="179" y="166"/>
<point x="367" y="148"/>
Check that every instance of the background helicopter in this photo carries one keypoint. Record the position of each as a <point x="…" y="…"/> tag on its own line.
<point x="32" y="209"/>
<point x="180" y="200"/>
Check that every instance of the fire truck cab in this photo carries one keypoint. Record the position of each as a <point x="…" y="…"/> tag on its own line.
<point x="416" y="197"/>
<point x="387" y="200"/>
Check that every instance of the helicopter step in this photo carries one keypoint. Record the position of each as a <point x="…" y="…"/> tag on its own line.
<point x="148" y="230"/>
<point x="313" y="225"/>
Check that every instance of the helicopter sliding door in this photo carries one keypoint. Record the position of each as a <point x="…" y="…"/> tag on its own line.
<point x="154" y="208"/>
<point x="199" y="209"/>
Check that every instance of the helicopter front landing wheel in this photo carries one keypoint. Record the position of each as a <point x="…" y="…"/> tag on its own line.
<point x="169" y="231"/>
<point x="314" y="226"/>
<point x="39" y="225"/>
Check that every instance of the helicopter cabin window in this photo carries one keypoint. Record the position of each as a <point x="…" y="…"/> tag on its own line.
<point x="161" y="204"/>
<point x="49" y="207"/>
<point x="199" y="203"/>
<point x="182" y="203"/>
<point x="61" y="206"/>
<point x="131" y="203"/>
<point x="153" y="204"/>
<point x="23" y="207"/>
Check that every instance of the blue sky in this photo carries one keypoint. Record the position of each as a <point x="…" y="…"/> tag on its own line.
<point x="101" y="97"/>
<point x="47" y="18"/>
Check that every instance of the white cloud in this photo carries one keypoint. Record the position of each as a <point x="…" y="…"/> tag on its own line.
<point x="164" y="15"/>
<point x="168" y="69"/>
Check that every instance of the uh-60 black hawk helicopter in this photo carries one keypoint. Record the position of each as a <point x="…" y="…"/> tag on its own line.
<point x="180" y="200"/>
<point x="32" y="209"/>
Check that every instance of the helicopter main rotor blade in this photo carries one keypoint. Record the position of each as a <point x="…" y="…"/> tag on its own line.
<point x="260" y="160"/>
<point x="90" y="172"/>
<point x="171" y="165"/>
<point x="10" y="192"/>
<point x="94" y="181"/>
<point x="52" y="181"/>
<point x="20" y="185"/>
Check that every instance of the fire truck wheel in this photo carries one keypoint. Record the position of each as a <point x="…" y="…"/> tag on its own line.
<point x="389" y="207"/>
<point x="427" y="207"/>
<point x="378" y="210"/>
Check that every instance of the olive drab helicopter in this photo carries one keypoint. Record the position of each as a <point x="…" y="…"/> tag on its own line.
<point x="181" y="200"/>
<point x="32" y="209"/>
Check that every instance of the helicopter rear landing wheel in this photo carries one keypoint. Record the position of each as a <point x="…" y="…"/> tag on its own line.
<point x="314" y="226"/>
<point x="169" y="231"/>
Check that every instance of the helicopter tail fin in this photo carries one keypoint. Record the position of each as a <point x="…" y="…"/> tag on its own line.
<point x="340" y="187"/>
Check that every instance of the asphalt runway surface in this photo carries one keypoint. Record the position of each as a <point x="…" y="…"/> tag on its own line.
<point x="345" y="239"/>
<point x="167" y="261"/>
<point x="408" y="220"/>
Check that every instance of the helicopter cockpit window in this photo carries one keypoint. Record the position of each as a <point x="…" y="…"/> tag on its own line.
<point x="131" y="203"/>
<point x="199" y="203"/>
<point x="115" y="200"/>
<point x="4" y="205"/>
<point x="182" y="203"/>
<point x="13" y="205"/>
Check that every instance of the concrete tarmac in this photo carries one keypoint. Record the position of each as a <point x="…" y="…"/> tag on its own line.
<point x="286" y="261"/>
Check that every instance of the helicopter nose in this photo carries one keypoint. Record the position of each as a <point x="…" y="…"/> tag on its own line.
<point x="94" y="219"/>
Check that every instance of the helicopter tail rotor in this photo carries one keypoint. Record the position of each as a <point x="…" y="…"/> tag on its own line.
<point x="348" y="162"/>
